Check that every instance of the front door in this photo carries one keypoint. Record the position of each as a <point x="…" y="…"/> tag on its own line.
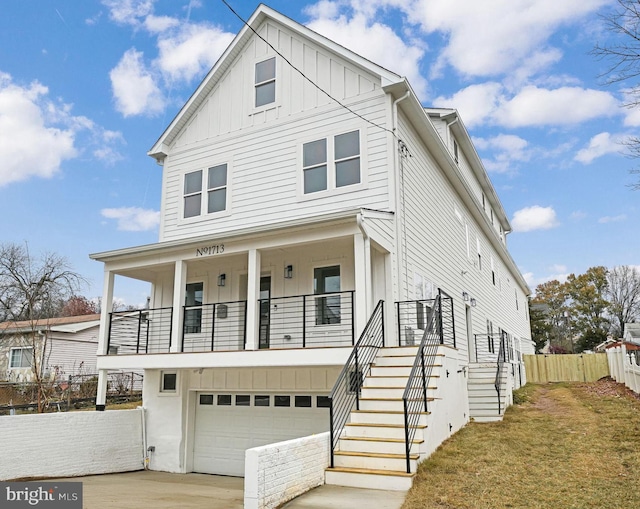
<point x="265" y="311"/>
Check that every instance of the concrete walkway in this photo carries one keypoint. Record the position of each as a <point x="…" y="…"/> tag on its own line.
<point x="340" y="497"/>
<point x="161" y="490"/>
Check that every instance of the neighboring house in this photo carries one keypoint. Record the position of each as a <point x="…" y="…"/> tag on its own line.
<point x="62" y="346"/>
<point x="631" y="333"/>
<point x="285" y="220"/>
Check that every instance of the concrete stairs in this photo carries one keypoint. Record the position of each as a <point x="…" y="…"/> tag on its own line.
<point x="483" y="398"/>
<point x="371" y="450"/>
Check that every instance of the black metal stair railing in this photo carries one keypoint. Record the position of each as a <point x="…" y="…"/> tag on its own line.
<point x="502" y="354"/>
<point x="440" y="330"/>
<point x="346" y="391"/>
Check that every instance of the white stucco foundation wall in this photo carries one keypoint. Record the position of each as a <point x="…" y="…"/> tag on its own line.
<point x="70" y="444"/>
<point x="278" y="472"/>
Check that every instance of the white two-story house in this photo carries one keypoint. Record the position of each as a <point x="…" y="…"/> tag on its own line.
<point x="308" y="197"/>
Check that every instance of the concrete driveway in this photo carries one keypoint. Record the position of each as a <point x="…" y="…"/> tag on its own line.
<point x="161" y="490"/>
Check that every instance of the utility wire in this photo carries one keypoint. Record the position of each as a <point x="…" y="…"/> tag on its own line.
<point x="306" y="77"/>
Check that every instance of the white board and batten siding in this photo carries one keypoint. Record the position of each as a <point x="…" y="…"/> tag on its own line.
<point x="263" y="146"/>
<point x="438" y="225"/>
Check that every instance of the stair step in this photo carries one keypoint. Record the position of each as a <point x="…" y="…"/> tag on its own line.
<point x="375" y="461"/>
<point x="383" y="416"/>
<point x="377" y="445"/>
<point x="355" y="429"/>
<point x="369" y="478"/>
<point x="389" y="381"/>
<point x="385" y="403"/>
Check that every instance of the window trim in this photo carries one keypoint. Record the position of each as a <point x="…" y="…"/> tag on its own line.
<point x="204" y="193"/>
<point x="332" y="189"/>
<point x="253" y="109"/>
<point x="202" y="306"/>
<point x="169" y="392"/>
<point x="21" y="348"/>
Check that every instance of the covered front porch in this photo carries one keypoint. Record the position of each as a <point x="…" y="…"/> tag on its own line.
<point x="310" y="284"/>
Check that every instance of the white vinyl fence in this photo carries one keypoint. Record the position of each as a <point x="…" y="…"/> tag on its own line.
<point x="625" y="366"/>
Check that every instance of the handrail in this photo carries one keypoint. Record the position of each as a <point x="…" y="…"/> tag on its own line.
<point x="498" y="382"/>
<point x="346" y="391"/>
<point x="439" y="330"/>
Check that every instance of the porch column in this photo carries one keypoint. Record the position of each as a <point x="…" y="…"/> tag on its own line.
<point x="107" y="306"/>
<point x="179" y="286"/>
<point x="101" y="396"/>
<point x="253" y="294"/>
<point x="390" y="324"/>
<point x="363" y="287"/>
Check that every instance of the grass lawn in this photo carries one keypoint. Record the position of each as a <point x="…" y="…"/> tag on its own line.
<point x="564" y="446"/>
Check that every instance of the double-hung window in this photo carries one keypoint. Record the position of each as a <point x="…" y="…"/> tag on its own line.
<point x="214" y="183"/>
<point x="265" y="82"/>
<point x="21" y="358"/>
<point x="331" y="163"/>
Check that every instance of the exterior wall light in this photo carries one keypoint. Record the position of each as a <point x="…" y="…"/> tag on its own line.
<point x="288" y="271"/>
<point x="222" y="279"/>
<point x="473" y="302"/>
<point x="465" y="296"/>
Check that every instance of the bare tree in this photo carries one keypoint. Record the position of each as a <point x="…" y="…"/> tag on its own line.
<point x="623" y="295"/>
<point x="33" y="290"/>
<point x="622" y="54"/>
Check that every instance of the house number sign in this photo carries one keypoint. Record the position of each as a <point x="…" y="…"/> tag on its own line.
<point x="210" y="250"/>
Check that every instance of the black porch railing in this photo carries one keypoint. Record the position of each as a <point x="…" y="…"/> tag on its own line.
<point x="307" y="320"/>
<point x="439" y="330"/>
<point x="346" y="391"/>
<point x="142" y="331"/>
<point x="487" y="346"/>
<point x="214" y="327"/>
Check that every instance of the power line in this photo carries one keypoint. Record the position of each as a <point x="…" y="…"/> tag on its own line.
<point x="306" y="77"/>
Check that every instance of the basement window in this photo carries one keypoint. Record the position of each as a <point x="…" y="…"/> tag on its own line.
<point x="169" y="382"/>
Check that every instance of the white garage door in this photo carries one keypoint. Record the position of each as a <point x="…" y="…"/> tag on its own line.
<point x="229" y="424"/>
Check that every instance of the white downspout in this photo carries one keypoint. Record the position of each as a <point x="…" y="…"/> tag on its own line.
<point x="399" y="215"/>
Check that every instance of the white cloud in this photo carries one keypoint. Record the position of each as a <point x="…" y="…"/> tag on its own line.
<point x="600" y="145"/>
<point x="508" y="150"/>
<point x="129" y="12"/>
<point x="375" y="41"/>
<point x="134" y="87"/>
<point x="578" y="215"/>
<point x="33" y="143"/>
<point x="475" y="103"/>
<point x="158" y="24"/>
<point x="492" y="103"/>
<point x="133" y="219"/>
<point x="533" y="281"/>
<point x="534" y="218"/>
<point x="612" y="219"/>
<point x="534" y="106"/>
<point x="191" y="51"/>
<point x="490" y="38"/>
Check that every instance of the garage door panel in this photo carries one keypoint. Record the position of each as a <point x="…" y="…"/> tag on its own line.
<point x="224" y="432"/>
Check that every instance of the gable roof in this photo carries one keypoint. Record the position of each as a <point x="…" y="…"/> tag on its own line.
<point x="633" y="331"/>
<point x="260" y="15"/>
<point x="63" y="324"/>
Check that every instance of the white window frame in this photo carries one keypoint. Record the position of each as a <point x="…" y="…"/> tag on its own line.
<point x="332" y="189"/>
<point x="204" y="194"/>
<point x="253" y="109"/>
<point x="169" y="392"/>
<point x="21" y="348"/>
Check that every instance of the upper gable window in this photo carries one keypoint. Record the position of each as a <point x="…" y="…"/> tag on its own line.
<point x="214" y="180"/>
<point x="265" y="82"/>
<point x="331" y="162"/>
<point x="455" y="151"/>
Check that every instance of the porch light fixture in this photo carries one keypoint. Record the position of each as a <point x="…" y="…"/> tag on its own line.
<point x="288" y="271"/>
<point x="222" y="278"/>
<point x="473" y="302"/>
<point x="465" y="296"/>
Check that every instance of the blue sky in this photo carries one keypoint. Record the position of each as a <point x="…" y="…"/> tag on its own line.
<point x="87" y="87"/>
